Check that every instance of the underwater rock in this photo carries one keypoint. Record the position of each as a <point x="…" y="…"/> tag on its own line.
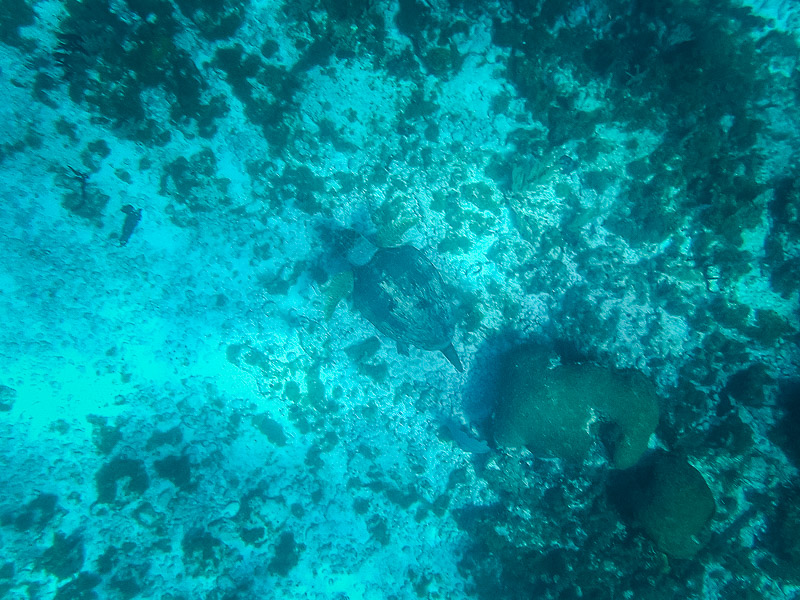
<point x="670" y="500"/>
<point x="559" y="411"/>
<point x="66" y="556"/>
<point x="402" y="294"/>
<point x="783" y="530"/>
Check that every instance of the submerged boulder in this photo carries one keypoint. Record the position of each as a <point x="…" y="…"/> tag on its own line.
<point x="670" y="500"/>
<point x="559" y="411"/>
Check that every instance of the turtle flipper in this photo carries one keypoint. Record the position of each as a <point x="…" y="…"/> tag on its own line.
<point x="450" y="354"/>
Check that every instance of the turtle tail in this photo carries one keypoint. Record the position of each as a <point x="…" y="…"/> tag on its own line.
<point x="450" y="354"/>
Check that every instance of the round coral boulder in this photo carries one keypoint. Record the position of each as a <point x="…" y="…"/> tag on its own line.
<point x="559" y="410"/>
<point x="674" y="504"/>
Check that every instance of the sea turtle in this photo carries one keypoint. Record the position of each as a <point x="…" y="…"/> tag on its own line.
<point x="402" y="294"/>
<point x="397" y="289"/>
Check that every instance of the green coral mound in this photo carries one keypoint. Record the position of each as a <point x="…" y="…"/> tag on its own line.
<point x="559" y="411"/>
<point x="673" y="504"/>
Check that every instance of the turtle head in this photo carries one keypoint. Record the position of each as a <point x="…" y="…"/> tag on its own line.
<point x="343" y="247"/>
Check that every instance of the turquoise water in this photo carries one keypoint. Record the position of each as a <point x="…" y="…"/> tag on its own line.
<point x="605" y="197"/>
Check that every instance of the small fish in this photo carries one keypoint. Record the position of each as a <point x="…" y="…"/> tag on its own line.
<point x="132" y="218"/>
<point x="464" y="438"/>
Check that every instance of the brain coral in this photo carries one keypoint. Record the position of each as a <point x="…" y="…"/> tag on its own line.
<point x="558" y="410"/>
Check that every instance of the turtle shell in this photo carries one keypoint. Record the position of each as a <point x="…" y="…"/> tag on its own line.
<point x="402" y="294"/>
